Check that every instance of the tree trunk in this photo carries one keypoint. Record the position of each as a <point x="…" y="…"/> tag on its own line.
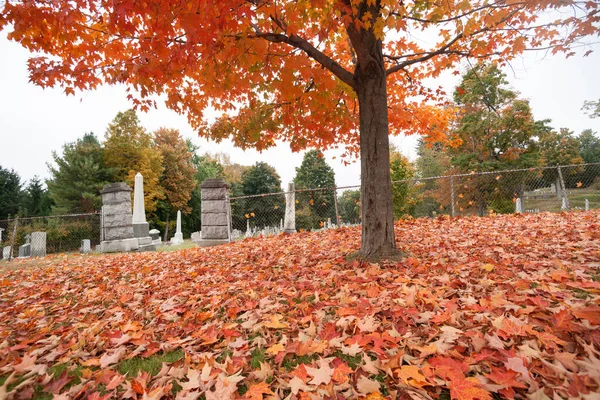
<point x="378" y="241"/>
<point x="166" y="229"/>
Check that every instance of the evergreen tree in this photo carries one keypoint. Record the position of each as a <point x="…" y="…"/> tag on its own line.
<point x="10" y="193"/>
<point x="37" y="199"/>
<point x="78" y="176"/>
<point x="314" y="207"/>
<point x="261" y="178"/>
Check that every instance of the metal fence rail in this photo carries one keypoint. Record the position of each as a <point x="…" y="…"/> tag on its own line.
<point x="63" y="233"/>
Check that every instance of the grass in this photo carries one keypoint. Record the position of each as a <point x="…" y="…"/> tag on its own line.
<point x="187" y="244"/>
<point x="152" y="364"/>
<point x="576" y="199"/>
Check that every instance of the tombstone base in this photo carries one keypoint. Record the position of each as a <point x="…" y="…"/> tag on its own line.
<point x="177" y="239"/>
<point x="289" y="231"/>
<point x="116" y="246"/>
<point x="210" y="242"/>
<point x="141" y="230"/>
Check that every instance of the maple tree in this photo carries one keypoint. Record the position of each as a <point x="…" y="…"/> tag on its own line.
<point x="317" y="73"/>
<point x="402" y="192"/>
<point x="177" y="178"/>
<point x="483" y="308"/>
<point x="129" y="149"/>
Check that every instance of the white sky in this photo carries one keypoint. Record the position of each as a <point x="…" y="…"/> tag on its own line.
<point x="35" y="121"/>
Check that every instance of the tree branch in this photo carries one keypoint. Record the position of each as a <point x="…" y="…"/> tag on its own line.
<point x="296" y="41"/>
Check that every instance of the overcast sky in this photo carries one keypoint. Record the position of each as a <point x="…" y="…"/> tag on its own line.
<point x="35" y="121"/>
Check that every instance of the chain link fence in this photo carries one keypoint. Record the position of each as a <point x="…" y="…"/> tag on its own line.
<point x="532" y="190"/>
<point x="38" y="236"/>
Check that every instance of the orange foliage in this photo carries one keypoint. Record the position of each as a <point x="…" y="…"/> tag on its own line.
<point x="282" y="70"/>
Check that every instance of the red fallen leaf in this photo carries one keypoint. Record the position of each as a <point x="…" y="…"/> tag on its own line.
<point x="579" y="385"/>
<point x="256" y="391"/>
<point x="341" y="373"/>
<point x="447" y="367"/>
<point x="562" y="320"/>
<point x="55" y="385"/>
<point x="468" y="389"/>
<point x="591" y="313"/>
<point x="137" y="387"/>
<point x="505" y="378"/>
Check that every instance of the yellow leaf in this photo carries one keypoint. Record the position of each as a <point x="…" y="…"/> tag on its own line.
<point x="487" y="267"/>
<point x="579" y="184"/>
<point x="275" y="322"/>
<point x="275" y="349"/>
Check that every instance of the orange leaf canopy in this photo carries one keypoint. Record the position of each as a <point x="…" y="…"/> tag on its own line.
<point x="281" y="70"/>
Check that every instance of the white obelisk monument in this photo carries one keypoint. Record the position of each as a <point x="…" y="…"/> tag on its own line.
<point x="178" y="238"/>
<point x="140" y="226"/>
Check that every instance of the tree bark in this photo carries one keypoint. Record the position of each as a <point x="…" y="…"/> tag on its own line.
<point x="378" y="241"/>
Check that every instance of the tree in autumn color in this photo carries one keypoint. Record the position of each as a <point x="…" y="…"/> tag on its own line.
<point x="128" y="149"/>
<point x="316" y="73"/>
<point x="177" y="179"/>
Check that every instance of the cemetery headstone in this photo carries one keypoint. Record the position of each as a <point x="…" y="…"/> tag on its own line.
<point x="519" y="206"/>
<point x="38" y="244"/>
<point x="86" y="246"/>
<point x="1" y="230"/>
<point x="117" y="219"/>
<point x="289" y="225"/>
<point x="587" y="205"/>
<point x="6" y="252"/>
<point x="178" y="238"/>
<point x="215" y="215"/>
<point x="140" y="226"/>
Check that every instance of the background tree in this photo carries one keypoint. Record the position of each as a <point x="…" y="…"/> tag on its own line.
<point x="494" y="131"/>
<point x="592" y="108"/>
<point x="315" y="207"/>
<point x="560" y="148"/>
<point x="589" y="150"/>
<point x="37" y="200"/>
<point x="177" y="179"/>
<point x="589" y="146"/>
<point x="10" y="193"/>
<point x="432" y="160"/>
<point x="129" y="150"/>
<point x="78" y="175"/>
<point x="318" y="74"/>
<point x="206" y="167"/>
<point x="349" y="206"/>
<point x="403" y="192"/>
<point x="261" y="178"/>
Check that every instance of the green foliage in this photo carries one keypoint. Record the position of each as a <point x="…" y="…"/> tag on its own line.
<point x="315" y="207"/>
<point x="10" y="193"/>
<point x="495" y="131"/>
<point x="592" y="108"/>
<point x="561" y="148"/>
<point x="78" y="176"/>
<point x="261" y="178"/>
<point x="206" y="167"/>
<point x="37" y="200"/>
<point x="589" y="146"/>
<point x="402" y="192"/>
<point x="349" y="206"/>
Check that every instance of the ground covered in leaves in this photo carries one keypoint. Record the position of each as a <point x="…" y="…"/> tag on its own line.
<point x="497" y="307"/>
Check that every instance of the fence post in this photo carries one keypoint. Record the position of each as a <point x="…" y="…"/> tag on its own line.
<point x="337" y="213"/>
<point x="228" y="202"/>
<point x="12" y="240"/>
<point x="565" y="198"/>
<point x="452" y="194"/>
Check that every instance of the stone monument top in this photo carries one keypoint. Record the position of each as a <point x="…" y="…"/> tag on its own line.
<point x="115" y="187"/>
<point x="214" y="183"/>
